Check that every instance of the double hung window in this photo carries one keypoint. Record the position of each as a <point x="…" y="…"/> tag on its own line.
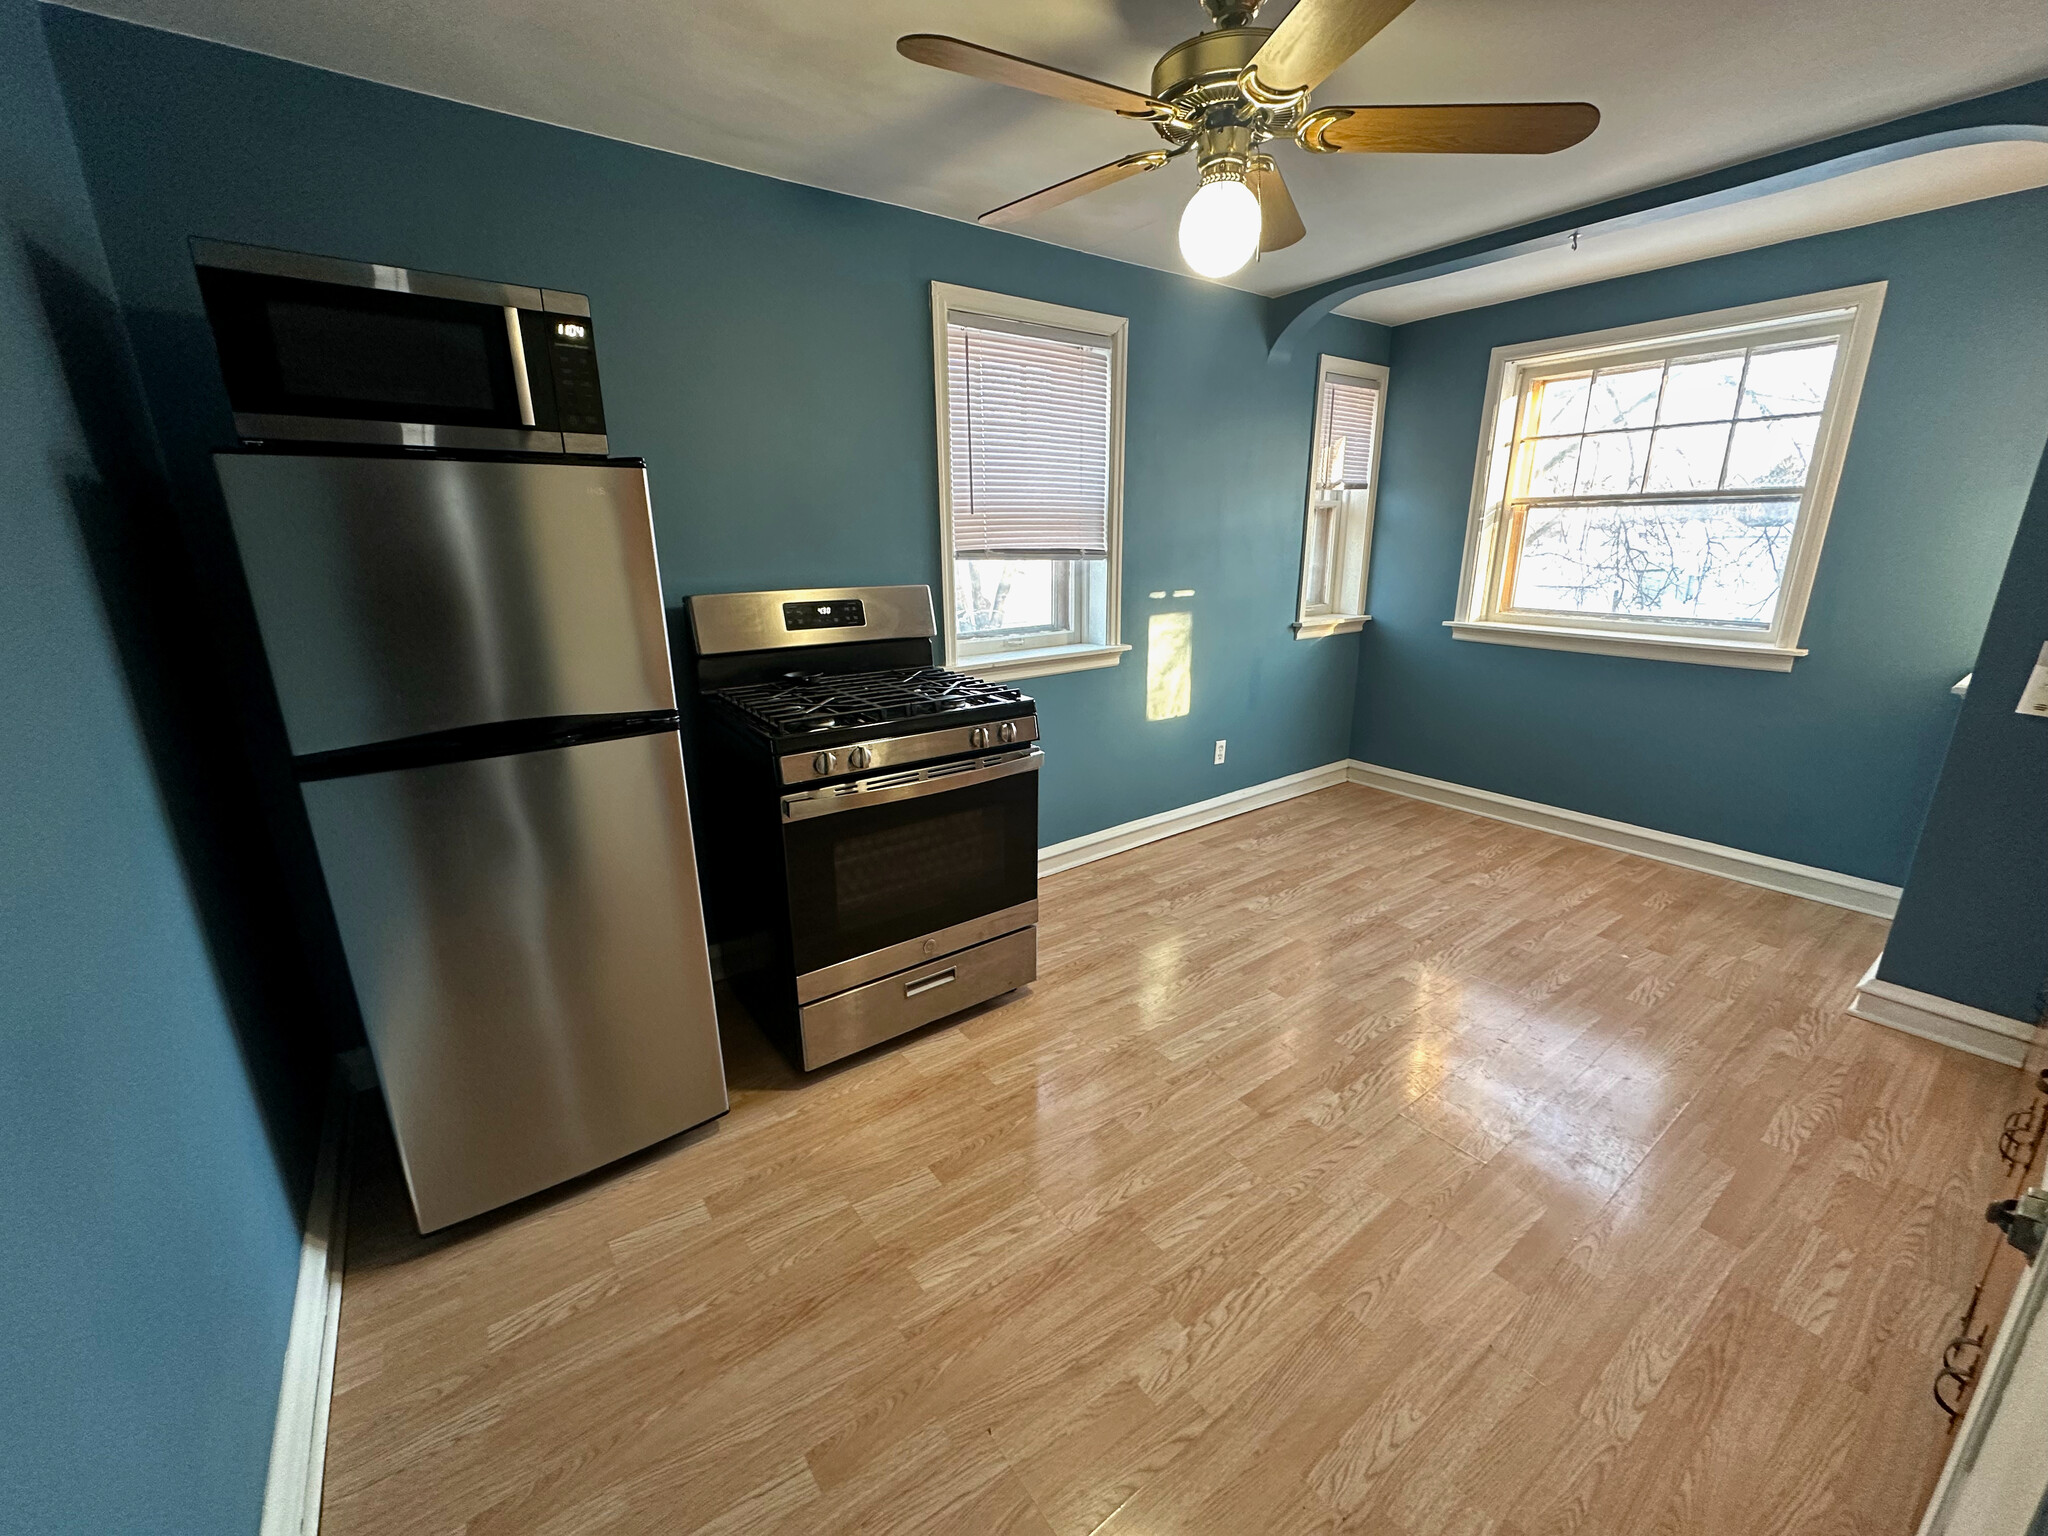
<point x="1663" y="491"/>
<point x="1336" y="540"/>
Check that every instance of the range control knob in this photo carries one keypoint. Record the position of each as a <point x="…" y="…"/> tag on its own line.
<point x="1007" y="731"/>
<point x="860" y="757"/>
<point x="978" y="737"/>
<point x="824" y="763"/>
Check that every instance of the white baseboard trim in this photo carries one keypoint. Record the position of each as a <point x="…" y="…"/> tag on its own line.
<point x="1823" y="885"/>
<point x="1150" y="829"/>
<point x="298" y="1444"/>
<point x="1981" y="1033"/>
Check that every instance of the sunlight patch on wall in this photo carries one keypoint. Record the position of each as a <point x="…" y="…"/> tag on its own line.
<point x="1169" y="665"/>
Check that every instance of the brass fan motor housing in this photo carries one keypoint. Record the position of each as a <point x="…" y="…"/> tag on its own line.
<point x="1224" y="53"/>
<point x="1201" y="80"/>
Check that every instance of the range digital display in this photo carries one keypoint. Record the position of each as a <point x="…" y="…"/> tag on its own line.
<point x="845" y="613"/>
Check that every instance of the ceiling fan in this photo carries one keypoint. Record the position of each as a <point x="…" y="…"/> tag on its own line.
<point x="1225" y="92"/>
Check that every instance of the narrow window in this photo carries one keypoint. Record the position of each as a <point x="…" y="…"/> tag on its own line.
<point x="1336" y="540"/>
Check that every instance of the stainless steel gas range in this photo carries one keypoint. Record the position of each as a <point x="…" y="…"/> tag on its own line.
<point x="872" y="817"/>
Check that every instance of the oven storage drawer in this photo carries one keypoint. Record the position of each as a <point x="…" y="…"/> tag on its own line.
<point x="865" y="1016"/>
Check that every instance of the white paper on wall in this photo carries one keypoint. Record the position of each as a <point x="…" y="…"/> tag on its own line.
<point x="2034" y="697"/>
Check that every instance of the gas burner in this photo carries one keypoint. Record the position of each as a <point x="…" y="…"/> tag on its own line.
<point x="805" y="703"/>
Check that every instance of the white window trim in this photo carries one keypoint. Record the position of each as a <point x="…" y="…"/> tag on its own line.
<point x="1329" y="624"/>
<point x="1774" y="651"/>
<point x="1309" y="626"/>
<point x="1114" y="329"/>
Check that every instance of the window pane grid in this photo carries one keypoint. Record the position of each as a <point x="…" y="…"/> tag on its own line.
<point x="1663" y="491"/>
<point x="1760" y="443"/>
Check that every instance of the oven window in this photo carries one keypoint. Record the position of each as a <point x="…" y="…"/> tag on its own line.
<point x="939" y="861"/>
<point x="863" y="879"/>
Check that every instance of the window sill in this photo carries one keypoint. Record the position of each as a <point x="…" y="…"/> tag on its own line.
<point x="1010" y="666"/>
<point x="1712" y="653"/>
<point x="1330" y="624"/>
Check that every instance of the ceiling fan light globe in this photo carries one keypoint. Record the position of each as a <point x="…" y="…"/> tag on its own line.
<point x="1219" y="228"/>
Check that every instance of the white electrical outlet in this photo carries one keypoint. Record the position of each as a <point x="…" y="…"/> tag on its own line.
<point x="2034" y="697"/>
<point x="1219" y="751"/>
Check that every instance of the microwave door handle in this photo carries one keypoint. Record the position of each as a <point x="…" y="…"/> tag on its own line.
<point x="858" y="795"/>
<point x="520" y="380"/>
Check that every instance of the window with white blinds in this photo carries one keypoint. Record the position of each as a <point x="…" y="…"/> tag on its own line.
<point x="1350" y="419"/>
<point x="1336" y="540"/>
<point x="1029" y="421"/>
<point x="1030" y="437"/>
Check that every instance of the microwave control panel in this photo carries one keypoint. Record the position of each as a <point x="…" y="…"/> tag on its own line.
<point x="572" y="362"/>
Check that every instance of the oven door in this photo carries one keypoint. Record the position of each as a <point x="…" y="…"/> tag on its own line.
<point x="889" y="871"/>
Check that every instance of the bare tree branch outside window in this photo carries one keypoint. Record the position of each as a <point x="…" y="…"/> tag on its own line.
<point x="1666" y="492"/>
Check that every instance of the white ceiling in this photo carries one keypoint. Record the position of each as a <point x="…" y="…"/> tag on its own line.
<point x="813" y="91"/>
<point x="1703" y="227"/>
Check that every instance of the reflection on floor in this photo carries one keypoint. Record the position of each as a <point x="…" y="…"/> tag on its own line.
<point x="1356" y="1164"/>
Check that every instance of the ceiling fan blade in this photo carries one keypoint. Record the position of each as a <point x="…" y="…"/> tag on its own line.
<point x="1312" y="40"/>
<point x="1279" y="220"/>
<point x="1075" y="186"/>
<point x="1007" y="69"/>
<point x="1508" y="128"/>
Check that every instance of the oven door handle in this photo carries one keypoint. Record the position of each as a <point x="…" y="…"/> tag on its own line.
<point x="862" y="793"/>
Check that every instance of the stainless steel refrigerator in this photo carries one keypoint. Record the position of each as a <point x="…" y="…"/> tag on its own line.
<point x="473" y="665"/>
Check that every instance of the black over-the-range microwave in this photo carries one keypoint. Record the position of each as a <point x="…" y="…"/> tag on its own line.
<point x="315" y="349"/>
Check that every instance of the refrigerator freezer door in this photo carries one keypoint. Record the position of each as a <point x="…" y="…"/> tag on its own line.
<point x="402" y="596"/>
<point x="527" y="945"/>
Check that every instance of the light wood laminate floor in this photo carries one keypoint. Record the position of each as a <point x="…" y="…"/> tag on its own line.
<point x="1355" y="1165"/>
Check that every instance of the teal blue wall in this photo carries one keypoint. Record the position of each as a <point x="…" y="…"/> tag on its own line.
<point x="154" y="1137"/>
<point x="766" y="348"/>
<point x="1829" y="764"/>
<point x="1973" y="923"/>
<point x="148" y="1234"/>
